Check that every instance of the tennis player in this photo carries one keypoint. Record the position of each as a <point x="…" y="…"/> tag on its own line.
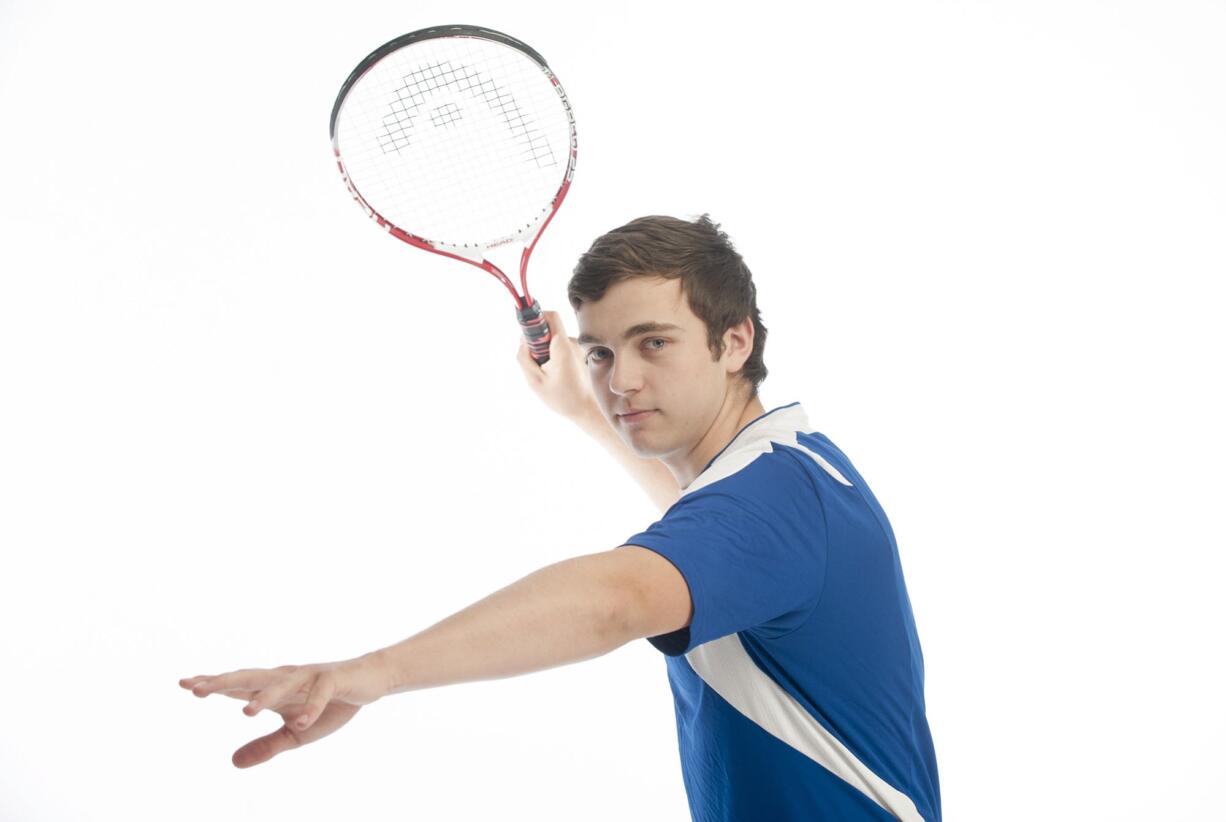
<point x="771" y="584"/>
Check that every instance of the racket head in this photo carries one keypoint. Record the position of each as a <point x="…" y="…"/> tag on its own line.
<point x="457" y="139"/>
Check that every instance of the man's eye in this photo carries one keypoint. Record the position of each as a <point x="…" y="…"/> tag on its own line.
<point x="592" y="355"/>
<point x="657" y="340"/>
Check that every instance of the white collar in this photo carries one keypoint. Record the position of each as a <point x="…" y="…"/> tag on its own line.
<point x="777" y="425"/>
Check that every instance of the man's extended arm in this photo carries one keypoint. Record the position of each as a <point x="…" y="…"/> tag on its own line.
<point x="570" y="611"/>
<point x="573" y="610"/>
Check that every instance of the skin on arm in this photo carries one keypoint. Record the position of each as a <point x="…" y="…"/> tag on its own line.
<point x="651" y="475"/>
<point x="564" y="386"/>
<point x="571" y="611"/>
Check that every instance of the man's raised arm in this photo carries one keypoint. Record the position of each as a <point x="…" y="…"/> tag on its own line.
<point x="652" y="475"/>
<point x="562" y="384"/>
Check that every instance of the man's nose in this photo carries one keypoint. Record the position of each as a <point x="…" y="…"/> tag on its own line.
<point x="626" y="376"/>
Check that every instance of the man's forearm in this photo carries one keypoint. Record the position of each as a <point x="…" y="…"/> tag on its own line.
<point x="566" y="612"/>
<point x="652" y="475"/>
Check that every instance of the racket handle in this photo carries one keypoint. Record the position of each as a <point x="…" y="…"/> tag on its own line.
<point x="536" y="331"/>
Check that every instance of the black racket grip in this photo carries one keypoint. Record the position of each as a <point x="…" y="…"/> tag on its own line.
<point x="536" y="331"/>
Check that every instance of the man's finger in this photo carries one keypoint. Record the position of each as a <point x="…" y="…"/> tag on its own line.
<point x="248" y="679"/>
<point x="322" y="691"/>
<point x="523" y="356"/>
<point x="190" y="682"/>
<point x="234" y="693"/>
<point x="275" y="693"/>
<point x="264" y="748"/>
<point x="555" y="322"/>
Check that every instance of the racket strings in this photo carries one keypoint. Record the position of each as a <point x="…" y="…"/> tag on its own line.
<point x="422" y="83"/>
<point x="461" y="141"/>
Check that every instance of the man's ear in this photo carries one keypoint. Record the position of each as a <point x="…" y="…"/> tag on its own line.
<point x="738" y="344"/>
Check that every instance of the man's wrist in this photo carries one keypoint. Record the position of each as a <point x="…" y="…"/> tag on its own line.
<point x="380" y="668"/>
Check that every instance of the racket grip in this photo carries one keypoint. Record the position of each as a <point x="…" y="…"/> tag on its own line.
<point x="536" y="331"/>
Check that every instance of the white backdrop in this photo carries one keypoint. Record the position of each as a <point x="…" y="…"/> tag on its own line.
<point x="242" y="427"/>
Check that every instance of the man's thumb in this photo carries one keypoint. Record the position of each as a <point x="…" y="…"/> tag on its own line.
<point x="554" y="320"/>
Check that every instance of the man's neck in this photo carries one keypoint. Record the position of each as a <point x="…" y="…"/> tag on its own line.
<point x="736" y="412"/>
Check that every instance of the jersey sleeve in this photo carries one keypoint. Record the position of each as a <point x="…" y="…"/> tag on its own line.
<point x="752" y="549"/>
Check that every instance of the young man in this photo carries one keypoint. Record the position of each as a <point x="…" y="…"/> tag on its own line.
<point x="797" y="673"/>
<point x="772" y="582"/>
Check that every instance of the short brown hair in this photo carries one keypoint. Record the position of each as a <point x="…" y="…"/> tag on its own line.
<point x="714" y="278"/>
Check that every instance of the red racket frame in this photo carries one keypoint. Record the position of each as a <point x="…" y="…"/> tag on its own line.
<point x="528" y="310"/>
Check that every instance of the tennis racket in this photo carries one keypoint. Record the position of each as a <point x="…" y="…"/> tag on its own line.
<point x="458" y="140"/>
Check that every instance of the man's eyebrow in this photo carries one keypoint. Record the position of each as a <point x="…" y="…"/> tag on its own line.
<point x="634" y="331"/>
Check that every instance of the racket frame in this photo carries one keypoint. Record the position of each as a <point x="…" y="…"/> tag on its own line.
<point x="527" y="308"/>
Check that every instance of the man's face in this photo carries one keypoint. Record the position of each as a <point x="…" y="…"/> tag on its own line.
<point x="638" y="363"/>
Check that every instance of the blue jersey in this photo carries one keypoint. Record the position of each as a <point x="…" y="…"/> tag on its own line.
<point x="799" y="682"/>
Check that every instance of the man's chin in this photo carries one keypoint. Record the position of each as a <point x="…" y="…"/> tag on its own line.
<point x="641" y="446"/>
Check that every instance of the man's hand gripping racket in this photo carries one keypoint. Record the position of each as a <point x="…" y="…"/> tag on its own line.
<point x="562" y="384"/>
<point x="459" y="140"/>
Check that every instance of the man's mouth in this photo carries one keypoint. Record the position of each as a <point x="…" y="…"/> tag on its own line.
<point x="636" y="416"/>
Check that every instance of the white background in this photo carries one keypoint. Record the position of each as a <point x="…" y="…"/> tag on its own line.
<point x="243" y="428"/>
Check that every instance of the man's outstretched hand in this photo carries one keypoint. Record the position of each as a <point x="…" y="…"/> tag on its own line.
<point x="314" y="700"/>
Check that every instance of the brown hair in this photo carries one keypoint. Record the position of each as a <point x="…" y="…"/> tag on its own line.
<point x="714" y="278"/>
